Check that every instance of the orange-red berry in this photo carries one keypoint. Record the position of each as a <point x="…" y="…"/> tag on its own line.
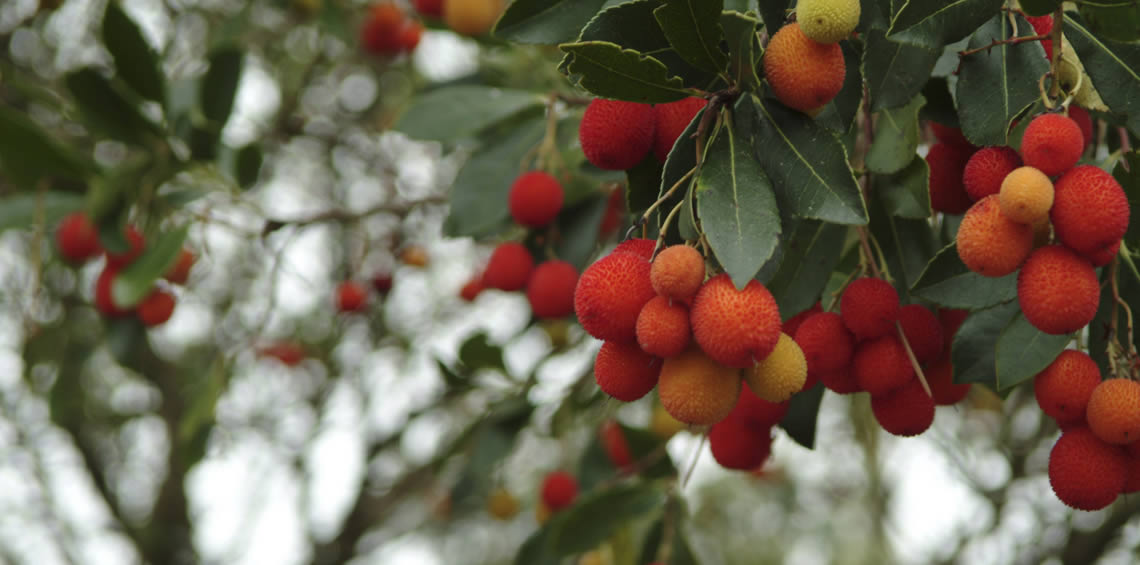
<point x="951" y="136"/>
<point x="840" y="381"/>
<point x="923" y="332"/>
<point x="351" y="296"/>
<point x="989" y="243"/>
<point x="472" y="288"/>
<point x="1058" y="290"/>
<point x="156" y="308"/>
<point x="663" y="327"/>
<point x="803" y="74"/>
<point x="136" y="245"/>
<point x="625" y="372"/>
<point x="615" y="444"/>
<point x="559" y="490"/>
<point x="1064" y="387"/>
<point x="289" y="353"/>
<point x="736" y="328"/>
<point x="947" y="165"/>
<point x="1052" y="143"/>
<point x="697" y="390"/>
<point x="1113" y="411"/>
<point x="535" y="199"/>
<point x="940" y="377"/>
<point x="677" y="272"/>
<point x="616" y="135"/>
<point x="638" y="246"/>
<point x="1090" y="210"/>
<point x="826" y="342"/>
<point x="180" y="272"/>
<point x="610" y="295"/>
<point x="104" y="303"/>
<point x="985" y="170"/>
<point x="739" y="444"/>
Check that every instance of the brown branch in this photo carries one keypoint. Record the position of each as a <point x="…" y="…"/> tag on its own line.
<point x="1055" y="62"/>
<point x="1010" y="41"/>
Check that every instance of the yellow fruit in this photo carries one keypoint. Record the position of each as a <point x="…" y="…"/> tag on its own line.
<point x="1026" y="195"/>
<point x="502" y="505"/>
<point x="781" y="374"/>
<point x="827" y="21"/>
<point x="471" y="17"/>
<point x="662" y="425"/>
<point x="697" y="390"/>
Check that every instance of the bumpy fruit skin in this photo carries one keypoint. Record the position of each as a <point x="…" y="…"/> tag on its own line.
<point x="559" y="489"/>
<point x="615" y="444"/>
<point x="940" y="377"/>
<point x="615" y="135"/>
<point x="180" y="272"/>
<point x="551" y="289"/>
<point x="1057" y="290"/>
<point x="351" y="297"/>
<point x="156" y="308"/>
<point x="535" y="199"/>
<point x="672" y="119"/>
<point x="1085" y="472"/>
<point x="791" y="325"/>
<point x="663" y="328"/>
<point x="739" y="444"/>
<point x="923" y="332"/>
<point x="1090" y="210"/>
<point x="429" y="8"/>
<point x="840" y="381"/>
<point x="869" y="307"/>
<point x="1084" y="121"/>
<point x="737" y="328"/>
<point x="611" y="294"/>
<point x="638" y="246"/>
<point x="781" y="374"/>
<point x="77" y="238"/>
<point x="624" y="371"/>
<point x="881" y="365"/>
<point x="103" y="301"/>
<point x="502" y="505"/>
<point x="952" y="136"/>
<point x="471" y="17"/>
<point x="827" y="21"/>
<point x="677" y="272"/>
<point x="803" y="74"/>
<point x="1043" y="25"/>
<point x="906" y="412"/>
<point x="825" y="341"/>
<point x="991" y="244"/>
<point x="1064" y="387"/>
<point x="1114" y="411"/>
<point x="697" y="390"/>
<point x="509" y="267"/>
<point x="986" y="169"/>
<point x="137" y="244"/>
<point x="1026" y="195"/>
<point x="1104" y="256"/>
<point x="1052" y="143"/>
<point x="947" y="165"/>
<point x="472" y="289"/>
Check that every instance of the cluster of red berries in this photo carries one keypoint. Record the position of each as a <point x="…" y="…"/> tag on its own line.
<point x="1097" y="456"/>
<point x="389" y="31"/>
<point x="1018" y="197"/>
<point x="78" y="242"/>
<point x="616" y="135"/>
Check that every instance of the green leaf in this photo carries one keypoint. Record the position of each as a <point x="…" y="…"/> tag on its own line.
<point x="548" y="22"/>
<point x="536" y="550"/>
<point x="489" y="444"/>
<point x="643" y="184"/>
<point x="693" y="29"/>
<point x="679" y="554"/>
<point x="935" y="23"/>
<point x="840" y="113"/>
<point x="596" y="516"/>
<point x="740" y="35"/>
<point x="643" y="444"/>
<point x="1127" y="173"/>
<point x="1117" y="20"/>
<point x="806" y="163"/>
<point x="737" y="207"/>
<point x="1113" y="67"/>
<point x="609" y="71"/>
<point x="973" y="348"/>
<point x="896" y="138"/>
<point x="578" y="230"/>
<point x="773" y="13"/>
<point x="29" y="154"/>
<point x="219" y="87"/>
<point x="19" y="211"/>
<point x="1023" y="351"/>
<point x="905" y="193"/>
<point x="940" y="106"/>
<point x="456" y="112"/>
<point x="481" y="187"/>
<point x="123" y="337"/>
<point x="479" y="353"/>
<point x="895" y="71"/>
<point x="137" y="279"/>
<point x="907" y="243"/>
<point x="247" y="165"/>
<point x="995" y="86"/>
<point x="135" y="61"/>
<point x="811" y="252"/>
<point x="948" y="282"/>
<point x="803" y="411"/>
<point x="1039" y="7"/>
<point x="105" y="108"/>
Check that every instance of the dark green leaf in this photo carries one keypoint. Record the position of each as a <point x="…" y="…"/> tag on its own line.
<point x="1127" y="173"/>
<point x="840" y="113"/>
<point x="679" y="554"/>
<point x="737" y="207"/>
<point x="740" y="34"/>
<point x="19" y="211"/>
<point x="905" y="193"/>
<point x="547" y="22"/>
<point x="806" y="163"/>
<point x="219" y="87"/>
<point x="481" y="187"/>
<point x="609" y="71"/>
<point x="940" y="105"/>
<point x="578" y="230"/>
<point x="907" y="243"/>
<point x="643" y="184"/>
<point x="895" y="71"/>
<point x="896" y="138"/>
<point x="973" y="349"/>
<point x="1113" y="67"/>
<point x="106" y="109"/>
<point x="1039" y="7"/>
<point x="693" y="29"/>
<point x="811" y="253"/>
<point x="1023" y="351"/>
<point x="597" y="515"/>
<point x="124" y="336"/>
<point x="479" y="353"/>
<point x="248" y="165"/>
<point x="995" y="86"/>
<point x="948" y="282"/>
<point x="644" y="445"/>
<point x="454" y="113"/>
<point x="803" y="410"/>
<point x="935" y="23"/>
<point x="136" y="281"/>
<point x="135" y="61"/>
<point x="536" y="550"/>
<point x="29" y="154"/>
<point x="773" y="13"/>
<point x="1117" y="20"/>
<point x="875" y="14"/>
<point x="489" y="444"/>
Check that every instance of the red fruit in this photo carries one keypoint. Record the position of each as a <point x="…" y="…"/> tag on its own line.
<point x="677" y="272"/>
<point x="758" y="411"/>
<point x="840" y="381"/>
<point x="951" y="136"/>
<point x="77" y="238"/>
<point x="180" y="272"/>
<point x="951" y="319"/>
<point x="351" y="297"/>
<point x="736" y="328"/>
<point x="1064" y="387"/>
<point x="382" y="283"/>
<point x="472" y="289"/>
<point x="559" y="489"/>
<point x="1052" y="143"/>
<point x="610" y="295"/>
<point x="103" y="301"/>
<point x="1043" y="25"/>
<point x="1090" y="210"/>
<point x="826" y="343"/>
<point x="1104" y="256"/>
<point x="869" y="307"/>
<point x="923" y="332"/>
<point x="156" y="308"/>
<point x="672" y="119"/>
<point x="551" y="289"/>
<point x="792" y="324"/>
<point x="1084" y="121"/>
<point x="1113" y="412"/>
<point x="739" y="444"/>
<point x="535" y="199"/>
<point x="380" y="34"/>
<point x="906" y="412"/>
<point x="985" y="170"/>
<point x="638" y="246"/>
<point x="803" y="74"/>
<point x="1085" y="472"/>
<point x="615" y="135"/>
<point x="509" y="267"/>
<point x="429" y="8"/>
<point x="615" y="444"/>
<point x="408" y="36"/>
<point x="940" y="377"/>
<point x="291" y="354"/>
<point x="1132" y="482"/>
<point x="881" y="365"/>
<point x="135" y="241"/>
<point x="1057" y="290"/>
<point x="947" y="164"/>
<point x="989" y="243"/>
<point x="663" y="327"/>
<point x="624" y="371"/>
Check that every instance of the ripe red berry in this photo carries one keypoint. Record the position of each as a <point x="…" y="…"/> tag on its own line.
<point x="610" y="295"/>
<point x="1085" y="472"/>
<point x="408" y="36"/>
<point x="1064" y="387"/>
<point x="615" y="444"/>
<point x="736" y="328"/>
<point x="180" y="272"/>
<point x="77" y="238"/>
<point x="923" y="332"/>
<point x="559" y="489"/>
<point x="615" y="135"/>
<point x="1052" y="143"/>
<point x="509" y="267"/>
<point x="1058" y="290"/>
<point x="792" y="324"/>
<point x="906" y="412"/>
<point x="638" y="246"/>
<point x="551" y="289"/>
<point x="1084" y="121"/>
<point x="947" y="165"/>
<point x="136" y="245"/>
<point x="663" y="327"/>
<point x="1043" y="25"/>
<point x="156" y="308"/>
<point x="624" y="371"/>
<point x="1090" y="210"/>
<point x="881" y="365"/>
<point x="739" y="444"/>
<point x="985" y="170"/>
<point x="826" y="343"/>
<point x="869" y="307"/>
<point x="535" y="199"/>
<point x="758" y="411"/>
<point x="380" y="34"/>
<point x="104" y="303"/>
<point x="289" y="353"/>
<point x="951" y="136"/>
<point x="351" y="297"/>
<point x="429" y="8"/>
<point x="615" y="206"/>
<point x="672" y="119"/>
<point x="840" y="381"/>
<point x="472" y="289"/>
<point x="940" y="377"/>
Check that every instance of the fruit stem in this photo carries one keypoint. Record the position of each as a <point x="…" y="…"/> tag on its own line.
<point x="665" y="226"/>
<point x="868" y="254"/>
<point x="696" y="456"/>
<point x="668" y="194"/>
<point x="1118" y="302"/>
<point x="1055" y="62"/>
<point x="913" y="360"/>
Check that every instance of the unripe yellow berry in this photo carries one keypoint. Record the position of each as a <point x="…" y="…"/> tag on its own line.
<point x="1026" y="195"/>
<point x="827" y="21"/>
<point x="781" y="374"/>
<point x="502" y="505"/>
